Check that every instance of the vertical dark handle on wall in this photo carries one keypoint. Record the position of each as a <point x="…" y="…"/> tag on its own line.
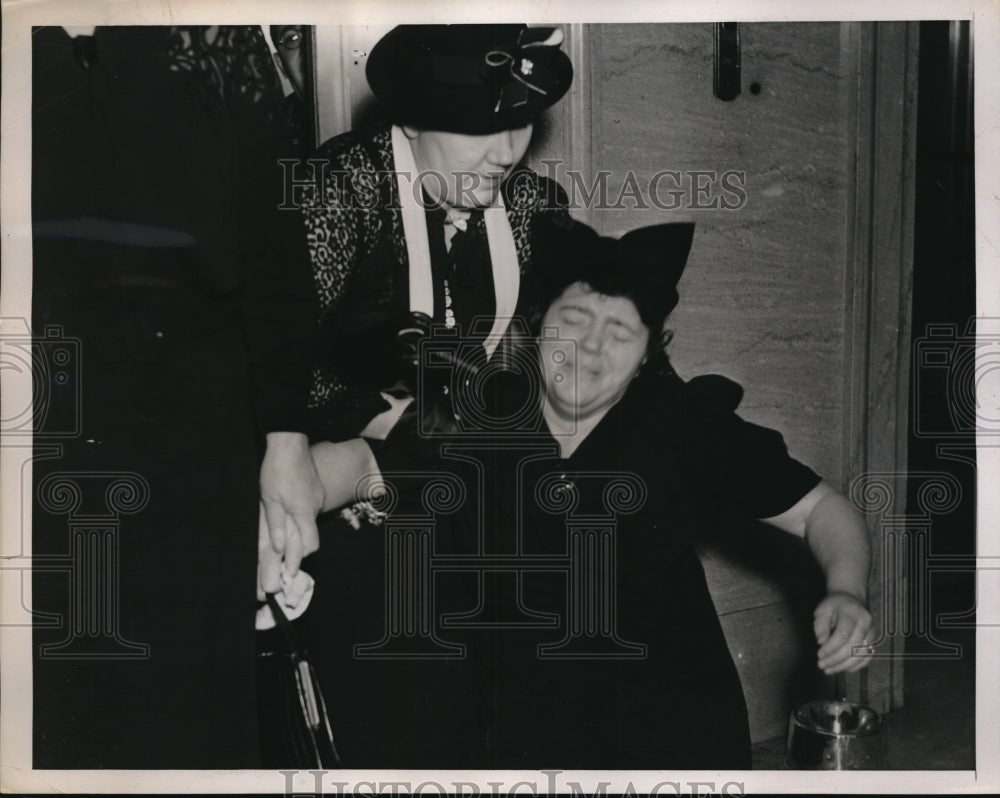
<point x="727" y="60"/>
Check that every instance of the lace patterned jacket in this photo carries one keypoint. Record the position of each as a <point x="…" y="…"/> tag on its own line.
<point x="358" y="251"/>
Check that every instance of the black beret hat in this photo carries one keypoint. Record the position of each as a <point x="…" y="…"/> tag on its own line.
<point x="643" y="265"/>
<point x="473" y="79"/>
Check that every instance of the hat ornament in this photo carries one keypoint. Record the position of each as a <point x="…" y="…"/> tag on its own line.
<point x="521" y="65"/>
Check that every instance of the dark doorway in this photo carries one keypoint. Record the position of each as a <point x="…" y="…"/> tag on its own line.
<point x="943" y="412"/>
<point x="939" y="693"/>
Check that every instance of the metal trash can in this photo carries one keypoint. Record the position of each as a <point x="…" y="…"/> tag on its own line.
<point x="835" y="735"/>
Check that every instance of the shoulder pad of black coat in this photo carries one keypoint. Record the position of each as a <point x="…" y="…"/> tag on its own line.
<point x="715" y="393"/>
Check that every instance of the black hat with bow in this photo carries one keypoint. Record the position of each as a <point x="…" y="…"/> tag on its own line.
<point x="644" y="265"/>
<point x="472" y="79"/>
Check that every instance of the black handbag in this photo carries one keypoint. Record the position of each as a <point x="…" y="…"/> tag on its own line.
<point x="295" y="729"/>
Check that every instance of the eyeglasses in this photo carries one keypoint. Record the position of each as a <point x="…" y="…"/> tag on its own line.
<point x="291" y="39"/>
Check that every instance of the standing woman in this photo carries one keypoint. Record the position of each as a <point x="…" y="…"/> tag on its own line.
<point x="424" y="221"/>
<point x="429" y="215"/>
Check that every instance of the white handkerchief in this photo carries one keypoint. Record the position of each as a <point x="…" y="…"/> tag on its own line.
<point x="303" y="585"/>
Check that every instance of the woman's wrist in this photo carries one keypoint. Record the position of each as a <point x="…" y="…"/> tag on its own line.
<point x="849" y="586"/>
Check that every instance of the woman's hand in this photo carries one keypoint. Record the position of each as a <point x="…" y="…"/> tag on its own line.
<point x="842" y="624"/>
<point x="838" y="538"/>
<point x="291" y="497"/>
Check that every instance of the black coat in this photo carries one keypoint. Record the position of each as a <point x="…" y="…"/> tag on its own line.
<point x="163" y="265"/>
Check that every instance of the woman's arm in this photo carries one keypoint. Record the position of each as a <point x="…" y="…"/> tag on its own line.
<point x="328" y="235"/>
<point x="342" y="467"/>
<point x="838" y="538"/>
<point x="338" y="468"/>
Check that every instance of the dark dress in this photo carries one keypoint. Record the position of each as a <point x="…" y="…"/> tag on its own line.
<point x="162" y="264"/>
<point x="678" y="702"/>
<point x="631" y="670"/>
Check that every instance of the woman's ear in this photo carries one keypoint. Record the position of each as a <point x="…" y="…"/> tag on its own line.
<point x="409" y="131"/>
<point x="666" y="337"/>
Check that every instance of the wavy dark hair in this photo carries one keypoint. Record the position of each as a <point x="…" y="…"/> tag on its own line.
<point x="642" y="266"/>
